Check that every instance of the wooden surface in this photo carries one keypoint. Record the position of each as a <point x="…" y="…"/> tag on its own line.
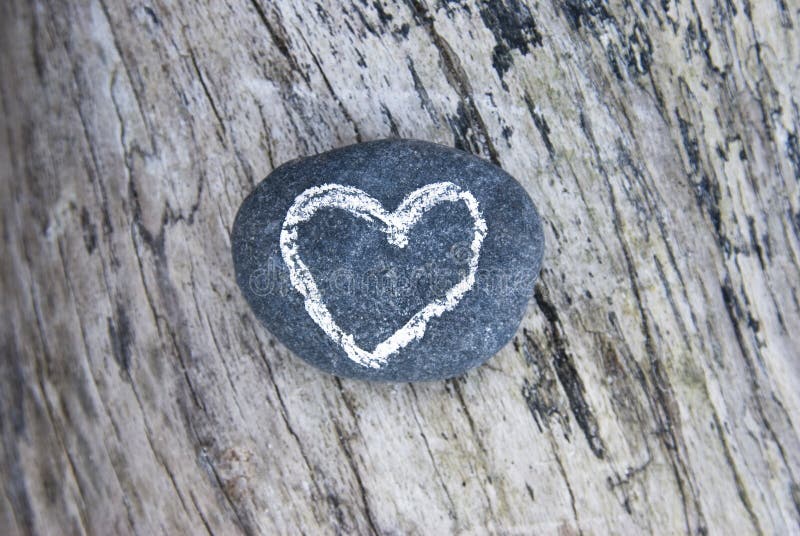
<point x="654" y="385"/>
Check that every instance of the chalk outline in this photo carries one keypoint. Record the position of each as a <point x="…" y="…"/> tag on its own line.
<point x="397" y="224"/>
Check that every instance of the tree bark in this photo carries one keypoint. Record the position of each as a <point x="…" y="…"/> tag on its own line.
<point x="654" y="383"/>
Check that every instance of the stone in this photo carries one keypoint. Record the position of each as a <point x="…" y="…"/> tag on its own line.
<point x="393" y="260"/>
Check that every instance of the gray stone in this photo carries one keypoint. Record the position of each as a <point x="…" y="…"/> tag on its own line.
<point x="391" y="260"/>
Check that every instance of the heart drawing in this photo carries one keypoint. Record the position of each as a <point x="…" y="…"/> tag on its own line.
<point x="396" y="225"/>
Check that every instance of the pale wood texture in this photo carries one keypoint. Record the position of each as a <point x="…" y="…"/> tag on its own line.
<point x="653" y="387"/>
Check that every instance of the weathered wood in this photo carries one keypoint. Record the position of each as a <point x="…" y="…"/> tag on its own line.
<point x="653" y="386"/>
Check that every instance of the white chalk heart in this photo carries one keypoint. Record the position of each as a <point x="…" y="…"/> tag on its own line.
<point x="396" y="226"/>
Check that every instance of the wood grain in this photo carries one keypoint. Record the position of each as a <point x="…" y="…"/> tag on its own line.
<point x="653" y="385"/>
